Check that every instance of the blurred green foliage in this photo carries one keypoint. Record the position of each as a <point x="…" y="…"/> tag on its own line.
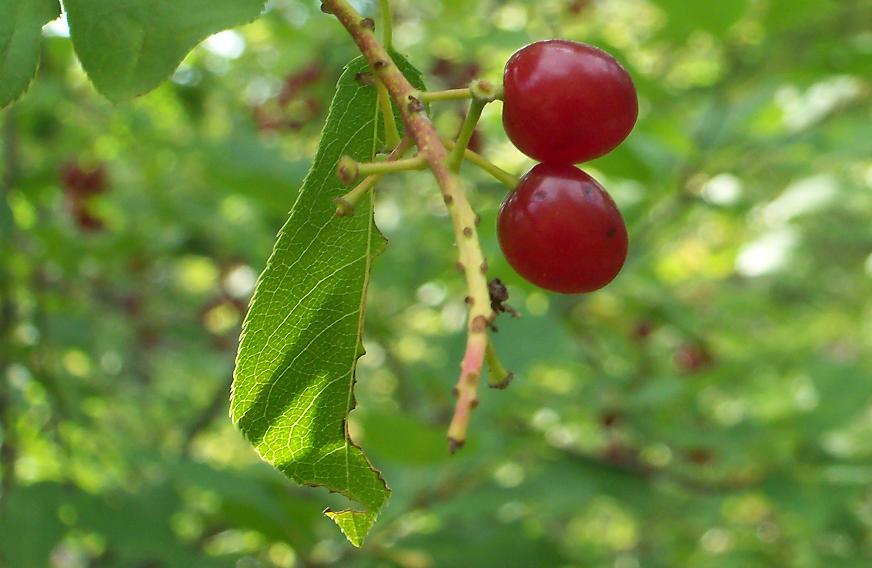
<point x="710" y="408"/>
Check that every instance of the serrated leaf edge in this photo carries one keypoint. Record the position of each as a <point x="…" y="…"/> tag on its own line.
<point x="356" y="540"/>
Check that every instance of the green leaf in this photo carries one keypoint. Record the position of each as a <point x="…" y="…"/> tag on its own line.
<point x="294" y="379"/>
<point x="128" y="47"/>
<point x="21" y="24"/>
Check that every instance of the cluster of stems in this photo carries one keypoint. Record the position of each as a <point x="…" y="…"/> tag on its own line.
<point x="443" y="158"/>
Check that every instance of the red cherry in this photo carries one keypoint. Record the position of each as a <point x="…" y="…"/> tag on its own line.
<point x="567" y="102"/>
<point x="561" y="231"/>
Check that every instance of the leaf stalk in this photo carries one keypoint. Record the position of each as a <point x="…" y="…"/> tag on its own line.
<point x="507" y="179"/>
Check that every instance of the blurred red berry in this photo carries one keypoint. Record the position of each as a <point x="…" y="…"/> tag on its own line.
<point x="691" y="358"/>
<point x="79" y="185"/>
<point x="575" y="7"/>
<point x="81" y="182"/>
<point x="700" y="456"/>
<point x="611" y="418"/>
<point x="299" y="79"/>
<point x="642" y="330"/>
<point x="453" y="74"/>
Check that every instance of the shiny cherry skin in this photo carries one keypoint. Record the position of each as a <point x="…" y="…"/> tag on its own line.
<point x="567" y="102"/>
<point x="560" y="230"/>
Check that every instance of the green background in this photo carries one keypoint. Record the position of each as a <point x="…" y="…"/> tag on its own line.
<point x="709" y="408"/>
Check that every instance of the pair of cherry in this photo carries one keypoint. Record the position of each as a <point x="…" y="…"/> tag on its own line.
<point x="564" y="102"/>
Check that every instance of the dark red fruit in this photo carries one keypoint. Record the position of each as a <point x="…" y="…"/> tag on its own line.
<point x="691" y="358"/>
<point x="700" y="456"/>
<point x="561" y="231"/>
<point x="299" y="79"/>
<point x="454" y="74"/>
<point x="611" y="418"/>
<point x="642" y="331"/>
<point x="567" y="102"/>
<point x="80" y="182"/>
<point x="85" y="220"/>
<point x="79" y="185"/>
<point x="575" y="7"/>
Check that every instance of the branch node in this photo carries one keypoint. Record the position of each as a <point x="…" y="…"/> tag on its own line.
<point x="347" y="170"/>
<point x="368" y="23"/>
<point x="502" y="384"/>
<point x="364" y="78"/>
<point x="485" y="91"/>
<point x="415" y="105"/>
<point x="343" y="207"/>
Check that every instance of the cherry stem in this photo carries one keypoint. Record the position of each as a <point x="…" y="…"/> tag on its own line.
<point x="387" y="24"/>
<point x="477" y="89"/>
<point x="509" y="180"/>
<point x="404" y="165"/>
<point x="392" y="135"/>
<point x="448" y="95"/>
<point x="346" y="204"/>
<point x="499" y="377"/>
<point x="467" y="129"/>
<point x="471" y="259"/>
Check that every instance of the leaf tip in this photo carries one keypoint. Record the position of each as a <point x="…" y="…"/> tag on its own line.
<point x="355" y="525"/>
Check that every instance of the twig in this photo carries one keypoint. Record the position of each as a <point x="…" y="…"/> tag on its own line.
<point x="471" y="259"/>
<point x="345" y="205"/>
